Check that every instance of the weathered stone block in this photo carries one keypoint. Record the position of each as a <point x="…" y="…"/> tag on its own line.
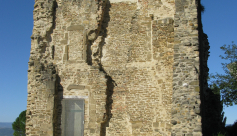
<point x="75" y="27"/>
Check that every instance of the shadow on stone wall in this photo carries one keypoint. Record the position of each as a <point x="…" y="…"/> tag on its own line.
<point x="110" y="82"/>
<point x="58" y="106"/>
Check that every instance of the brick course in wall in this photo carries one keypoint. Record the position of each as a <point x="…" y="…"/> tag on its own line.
<point x="136" y="64"/>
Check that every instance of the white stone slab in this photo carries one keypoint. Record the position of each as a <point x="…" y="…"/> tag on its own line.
<point x="73" y="96"/>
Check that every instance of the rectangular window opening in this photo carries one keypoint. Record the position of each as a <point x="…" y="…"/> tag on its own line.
<point x="73" y="117"/>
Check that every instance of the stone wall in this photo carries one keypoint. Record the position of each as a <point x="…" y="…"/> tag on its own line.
<point x="186" y="117"/>
<point x="136" y="64"/>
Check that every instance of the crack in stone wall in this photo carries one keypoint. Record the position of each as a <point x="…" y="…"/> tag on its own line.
<point x="108" y="115"/>
<point x="95" y="42"/>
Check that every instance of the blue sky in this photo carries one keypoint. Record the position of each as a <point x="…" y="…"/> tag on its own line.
<point x="16" y="24"/>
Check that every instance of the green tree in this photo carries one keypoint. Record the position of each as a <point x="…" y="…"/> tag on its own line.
<point x="227" y="83"/>
<point x="19" y="124"/>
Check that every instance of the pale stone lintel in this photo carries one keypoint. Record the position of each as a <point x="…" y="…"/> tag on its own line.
<point x="73" y="96"/>
<point x="75" y="27"/>
<point x="79" y="87"/>
<point x="116" y="1"/>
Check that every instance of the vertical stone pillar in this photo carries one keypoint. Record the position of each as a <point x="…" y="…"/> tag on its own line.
<point x="42" y="72"/>
<point x="186" y="118"/>
<point x="163" y="42"/>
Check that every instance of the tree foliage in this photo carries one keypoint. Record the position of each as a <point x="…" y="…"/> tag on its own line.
<point x="227" y="83"/>
<point x="202" y="8"/>
<point x="19" y="124"/>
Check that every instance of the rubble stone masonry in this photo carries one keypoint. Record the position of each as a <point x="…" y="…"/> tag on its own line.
<point x="135" y="63"/>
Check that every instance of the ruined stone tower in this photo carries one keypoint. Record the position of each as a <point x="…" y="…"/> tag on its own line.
<point x="116" y="68"/>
